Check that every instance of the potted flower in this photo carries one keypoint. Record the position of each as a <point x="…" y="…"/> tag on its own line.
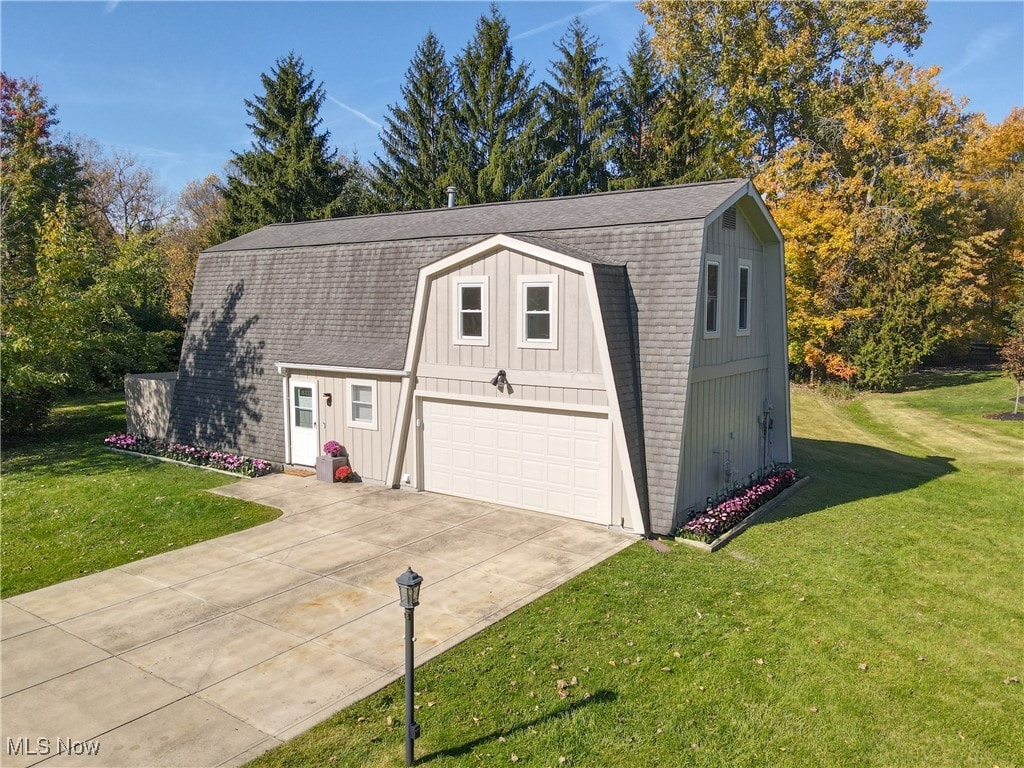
<point x="334" y="457"/>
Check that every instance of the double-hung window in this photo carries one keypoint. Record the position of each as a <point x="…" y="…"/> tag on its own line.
<point x="712" y="279"/>
<point x="743" y="299"/>
<point x="362" y="404"/>
<point x="471" y="302"/>
<point x="538" y="311"/>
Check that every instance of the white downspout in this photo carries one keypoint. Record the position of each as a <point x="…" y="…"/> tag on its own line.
<point x="287" y="420"/>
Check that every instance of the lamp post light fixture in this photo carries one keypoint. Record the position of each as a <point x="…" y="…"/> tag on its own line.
<point x="409" y="597"/>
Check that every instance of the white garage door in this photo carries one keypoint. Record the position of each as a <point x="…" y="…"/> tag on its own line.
<point x="552" y="462"/>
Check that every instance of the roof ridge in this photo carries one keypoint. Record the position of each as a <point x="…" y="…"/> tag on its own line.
<point x="496" y="203"/>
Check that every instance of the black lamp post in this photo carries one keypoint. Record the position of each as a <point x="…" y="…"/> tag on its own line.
<point x="409" y="597"/>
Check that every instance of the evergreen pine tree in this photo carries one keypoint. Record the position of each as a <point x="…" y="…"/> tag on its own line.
<point x="579" y="123"/>
<point x="417" y="136"/>
<point x="495" y="111"/>
<point x="639" y="93"/>
<point x="684" y="135"/>
<point x="290" y="174"/>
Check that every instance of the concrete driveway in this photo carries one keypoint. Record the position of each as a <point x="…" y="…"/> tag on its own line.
<point x="212" y="654"/>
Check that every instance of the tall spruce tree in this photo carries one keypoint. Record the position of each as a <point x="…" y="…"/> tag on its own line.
<point x="639" y="93"/>
<point x="684" y="136"/>
<point x="290" y="174"/>
<point x="417" y="135"/>
<point x="495" y="111"/>
<point x="578" y="119"/>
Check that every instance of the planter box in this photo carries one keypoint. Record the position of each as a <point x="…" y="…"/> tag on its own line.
<point x="326" y="466"/>
<point x="746" y="522"/>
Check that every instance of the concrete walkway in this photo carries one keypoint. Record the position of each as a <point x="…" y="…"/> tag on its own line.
<point x="212" y="654"/>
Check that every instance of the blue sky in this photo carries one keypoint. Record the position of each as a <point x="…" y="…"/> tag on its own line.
<point x="167" y="80"/>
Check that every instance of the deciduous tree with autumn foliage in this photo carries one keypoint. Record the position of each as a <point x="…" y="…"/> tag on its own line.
<point x="887" y="255"/>
<point x="901" y="211"/>
<point x="994" y="178"/>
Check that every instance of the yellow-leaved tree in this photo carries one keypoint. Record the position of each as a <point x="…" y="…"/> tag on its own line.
<point x="887" y="255"/>
<point x="767" y="63"/>
<point x="995" y="180"/>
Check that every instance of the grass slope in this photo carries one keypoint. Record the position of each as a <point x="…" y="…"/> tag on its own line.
<point x="872" y="620"/>
<point x="70" y="507"/>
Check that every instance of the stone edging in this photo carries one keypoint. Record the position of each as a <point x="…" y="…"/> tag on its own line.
<point x="237" y="475"/>
<point x="746" y="522"/>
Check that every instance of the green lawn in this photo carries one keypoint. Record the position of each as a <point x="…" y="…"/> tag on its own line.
<point x="875" y="619"/>
<point x="71" y="507"/>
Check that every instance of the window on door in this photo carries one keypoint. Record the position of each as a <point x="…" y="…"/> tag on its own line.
<point x="538" y="311"/>
<point x="471" y="311"/>
<point x="362" y="404"/>
<point x="303" y="405"/>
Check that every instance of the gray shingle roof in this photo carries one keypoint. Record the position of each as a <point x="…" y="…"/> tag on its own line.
<point x="647" y="206"/>
<point x="569" y="250"/>
<point x="341" y="293"/>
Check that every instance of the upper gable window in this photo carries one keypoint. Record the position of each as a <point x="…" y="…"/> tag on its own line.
<point x="471" y="302"/>
<point x="538" y="311"/>
<point x="712" y="272"/>
<point x="743" y="299"/>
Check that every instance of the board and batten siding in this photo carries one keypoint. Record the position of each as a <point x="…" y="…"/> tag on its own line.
<point x="480" y="386"/>
<point x="367" y="448"/>
<point x="728" y="247"/>
<point x="569" y="377"/>
<point x="732" y="373"/>
<point x="576" y="340"/>
<point x="721" y="424"/>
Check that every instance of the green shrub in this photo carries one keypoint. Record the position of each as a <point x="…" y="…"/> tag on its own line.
<point x="837" y="390"/>
<point x="24" y="411"/>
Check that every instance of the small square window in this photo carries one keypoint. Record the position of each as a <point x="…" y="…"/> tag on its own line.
<point x="538" y="311"/>
<point x="362" y="404"/>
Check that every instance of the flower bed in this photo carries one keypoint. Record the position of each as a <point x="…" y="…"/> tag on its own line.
<point x="716" y="520"/>
<point x="189" y="454"/>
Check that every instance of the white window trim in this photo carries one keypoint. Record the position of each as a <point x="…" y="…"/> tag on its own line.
<point x="744" y="264"/>
<point x="473" y="341"/>
<point x="374" y="403"/>
<point x="718" y="300"/>
<point x="523" y="282"/>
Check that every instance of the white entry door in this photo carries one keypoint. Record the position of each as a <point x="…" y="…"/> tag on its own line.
<point x="549" y="461"/>
<point x="305" y="436"/>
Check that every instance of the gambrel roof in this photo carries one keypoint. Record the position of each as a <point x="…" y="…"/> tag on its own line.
<point x="647" y="206"/>
<point x="341" y="293"/>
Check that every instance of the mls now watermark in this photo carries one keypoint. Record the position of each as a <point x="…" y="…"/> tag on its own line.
<point x="44" y="746"/>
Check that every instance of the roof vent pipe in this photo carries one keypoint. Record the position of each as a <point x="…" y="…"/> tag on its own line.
<point x="451" y="196"/>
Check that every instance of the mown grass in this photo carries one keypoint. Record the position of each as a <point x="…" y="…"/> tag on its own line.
<point x="71" y="507"/>
<point x="875" y="619"/>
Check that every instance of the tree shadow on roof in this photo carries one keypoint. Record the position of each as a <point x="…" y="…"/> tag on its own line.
<point x="847" y="472"/>
<point x="215" y="399"/>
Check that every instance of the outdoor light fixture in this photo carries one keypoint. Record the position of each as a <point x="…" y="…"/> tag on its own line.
<point x="327" y="397"/>
<point x="500" y="380"/>
<point x="409" y="589"/>
<point x="409" y="597"/>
